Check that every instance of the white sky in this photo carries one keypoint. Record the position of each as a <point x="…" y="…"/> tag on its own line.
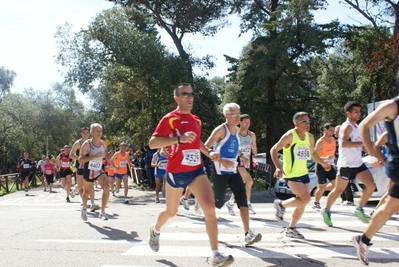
<point x="28" y="45"/>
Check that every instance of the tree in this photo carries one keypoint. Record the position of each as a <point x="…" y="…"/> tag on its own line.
<point x="181" y="17"/>
<point x="6" y="81"/>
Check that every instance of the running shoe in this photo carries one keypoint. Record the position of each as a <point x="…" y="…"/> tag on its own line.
<point x="316" y="206"/>
<point x="83" y="214"/>
<point x="250" y="209"/>
<point x="361" y="249"/>
<point x="67" y="200"/>
<point x="326" y="217"/>
<point x="125" y="201"/>
<point x="230" y="207"/>
<point x="279" y="210"/>
<point x="156" y="200"/>
<point x="154" y="239"/>
<point x="360" y="214"/>
<point x="184" y="202"/>
<point x="221" y="260"/>
<point x="348" y="203"/>
<point x="293" y="233"/>
<point x="251" y="238"/>
<point x="197" y="208"/>
<point x="103" y="216"/>
<point x="94" y="207"/>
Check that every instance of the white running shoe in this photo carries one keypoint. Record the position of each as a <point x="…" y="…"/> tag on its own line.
<point x="251" y="238"/>
<point x="361" y="249"/>
<point x="83" y="214"/>
<point x="103" y="216"/>
<point x="154" y="239"/>
<point x="94" y="207"/>
<point x="184" y="202"/>
<point x="230" y="207"/>
<point x="293" y="233"/>
<point x="250" y="209"/>
<point x="221" y="260"/>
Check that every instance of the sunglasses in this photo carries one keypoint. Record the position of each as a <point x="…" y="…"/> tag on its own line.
<point x="234" y="115"/>
<point x="186" y="94"/>
<point x="304" y="122"/>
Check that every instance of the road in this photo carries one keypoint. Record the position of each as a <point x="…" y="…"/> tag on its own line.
<point x="43" y="230"/>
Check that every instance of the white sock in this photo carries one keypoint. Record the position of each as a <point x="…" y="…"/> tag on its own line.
<point x="215" y="252"/>
<point x="156" y="232"/>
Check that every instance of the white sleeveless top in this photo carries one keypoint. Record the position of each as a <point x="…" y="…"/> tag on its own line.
<point x="350" y="157"/>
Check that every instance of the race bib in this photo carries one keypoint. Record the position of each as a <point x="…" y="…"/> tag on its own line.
<point x="123" y="163"/>
<point x="26" y="166"/>
<point x="65" y="164"/>
<point x="302" y="153"/>
<point x="162" y="165"/>
<point x="191" y="157"/>
<point x="95" y="165"/>
<point x="48" y="172"/>
<point x="245" y="150"/>
<point x="232" y="169"/>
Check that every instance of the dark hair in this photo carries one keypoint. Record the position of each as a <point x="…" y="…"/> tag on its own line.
<point x="178" y="86"/>
<point x="244" y="116"/>
<point x="328" y="125"/>
<point x="350" y="105"/>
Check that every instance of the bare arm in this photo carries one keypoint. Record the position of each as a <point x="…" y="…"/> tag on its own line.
<point x="113" y="158"/>
<point x="285" y="141"/>
<point x="253" y="145"/>
<point x="315" y="156"/>
<point x="380" y="142"/>
<point x="85" y="149"/>
<point x="344" y="133"/>
<point x="154" y="160"/>
<point x="75" y="147"/>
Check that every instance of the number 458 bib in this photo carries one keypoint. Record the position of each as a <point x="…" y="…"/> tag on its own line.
<point x="191" y="157"/>
<point x="302" y="153"/>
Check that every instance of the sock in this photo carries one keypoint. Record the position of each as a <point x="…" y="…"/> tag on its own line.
<point x="327" y="209"/>
<point x="231" y="202"/>
<point x="215" y="252"/>
<point x="156" y="232"/>
<point x="316" y="203"/>
<point x="359" y="207"/>
<point x="249" y="202"/>
<point x="365" y="240"/>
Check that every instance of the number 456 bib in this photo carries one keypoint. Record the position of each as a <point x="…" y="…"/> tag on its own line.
<point x="302" y="153"/>
<point x="191" y="157"/>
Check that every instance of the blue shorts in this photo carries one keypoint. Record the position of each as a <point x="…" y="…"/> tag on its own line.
<point x="119" y="176"/>
<point x="302" y="179"/>
<point x="159" y="173"/>
<point x="183" y="179"/>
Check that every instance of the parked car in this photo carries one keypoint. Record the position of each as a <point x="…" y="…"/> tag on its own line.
<point x="283" y="191"/>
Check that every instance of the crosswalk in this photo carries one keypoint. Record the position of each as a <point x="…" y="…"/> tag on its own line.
<point x="321" y="242"/>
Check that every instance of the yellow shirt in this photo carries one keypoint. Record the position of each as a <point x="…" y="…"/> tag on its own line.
<point x="296" y="156"/>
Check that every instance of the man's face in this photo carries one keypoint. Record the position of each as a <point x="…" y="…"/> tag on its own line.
<point x="303" y="123"/>
<point x="97" y="132"/>
<point x="122" y="148"/>
<point x="355" y="114"/>
<point x="233" y="116"/>
<point x="185" y="97"/>
<point x="329" y="132"/>
<point x="245" y="123"/>
<point x="26" y="155"/>
<point x="85" y="134"/>
<point x="66" y="150"/>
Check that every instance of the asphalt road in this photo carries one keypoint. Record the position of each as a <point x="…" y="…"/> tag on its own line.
<point x="41" y="229"/>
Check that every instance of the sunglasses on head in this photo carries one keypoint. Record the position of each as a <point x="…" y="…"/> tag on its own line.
<point x="234" y="115"/>
<point x="186" y="94"/>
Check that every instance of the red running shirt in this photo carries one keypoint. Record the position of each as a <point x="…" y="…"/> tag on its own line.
<point x="182" y="157"/>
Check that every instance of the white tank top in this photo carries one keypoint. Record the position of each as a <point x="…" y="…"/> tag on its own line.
<point x="246" y="146"/>
<point x="350" y="156"/>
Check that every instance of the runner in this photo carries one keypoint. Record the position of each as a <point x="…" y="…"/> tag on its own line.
<point x="121" y="162"/>
<point x="325" y="148"/>
<point x="110" y="170"/>
<point x="91" y="155"/>
<point x="180" y="131"/>
<point x="24" y="164"/>
<point x="159" y="162"/>
<point x="350" y="165"/>
<point x="84" y="133"/>
<point x="65" y="171"/>
<point x="298" y="147"/>
<point x="225" y="141"/>
<point x="40" y="166"/>
<point x="388" y="112"/>
<point x="48" y="170"/>
<point x="247" y="145"/>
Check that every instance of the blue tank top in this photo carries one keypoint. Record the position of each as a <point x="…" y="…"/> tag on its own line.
<point x="393" y="142"/>
<point x="228" y="150"/>
<point x="163" y="162"/>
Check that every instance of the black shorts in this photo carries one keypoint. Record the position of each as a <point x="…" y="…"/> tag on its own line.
<point x="348" y="173"/>
<point x="25" y="174"/>
<point x="92" y="180"/>
<point x="236" y="184"/>
<point x="79" y="172"/>
<point x="50" y="178"/>
<point x="394" y="190"/>
<point x="323" y="175"/>
<point x="64" y="173"/>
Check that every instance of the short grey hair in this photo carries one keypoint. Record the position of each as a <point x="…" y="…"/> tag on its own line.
<point x="299" y="114"/>
<point x="94" y="125"/>
<point x="230" y="106"/>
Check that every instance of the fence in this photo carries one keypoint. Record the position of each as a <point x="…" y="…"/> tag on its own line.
<point x="5" y="180"/>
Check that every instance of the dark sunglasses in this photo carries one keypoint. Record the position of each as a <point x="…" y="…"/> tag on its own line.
<point x="186" y="95"/>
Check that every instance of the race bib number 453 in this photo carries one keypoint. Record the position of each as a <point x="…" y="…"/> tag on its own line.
<point x="95" y="165"/>
<point x="302" y="153"/>
<point x="191" y="157"/>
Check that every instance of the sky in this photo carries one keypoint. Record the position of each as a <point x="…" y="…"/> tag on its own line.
<point x="28" y="46"/>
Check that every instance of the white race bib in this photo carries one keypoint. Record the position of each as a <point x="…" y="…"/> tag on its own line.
<point x="245" y="150"/>
<point x="64" y="164"/>
<point x="95" y="165"/>
<point x="48" y="172"/>
<point x="162" y="165"/>
<point x="302" y="153"/>
<point x="123" y="163"/>
<point x="232" y="169"/>
<point x="26" y="166"/>
<point x="191" y="157"/>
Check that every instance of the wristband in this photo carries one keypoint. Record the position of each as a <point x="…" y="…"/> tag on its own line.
<point x="210" y="150"/>
<point x="178" y="139"/>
